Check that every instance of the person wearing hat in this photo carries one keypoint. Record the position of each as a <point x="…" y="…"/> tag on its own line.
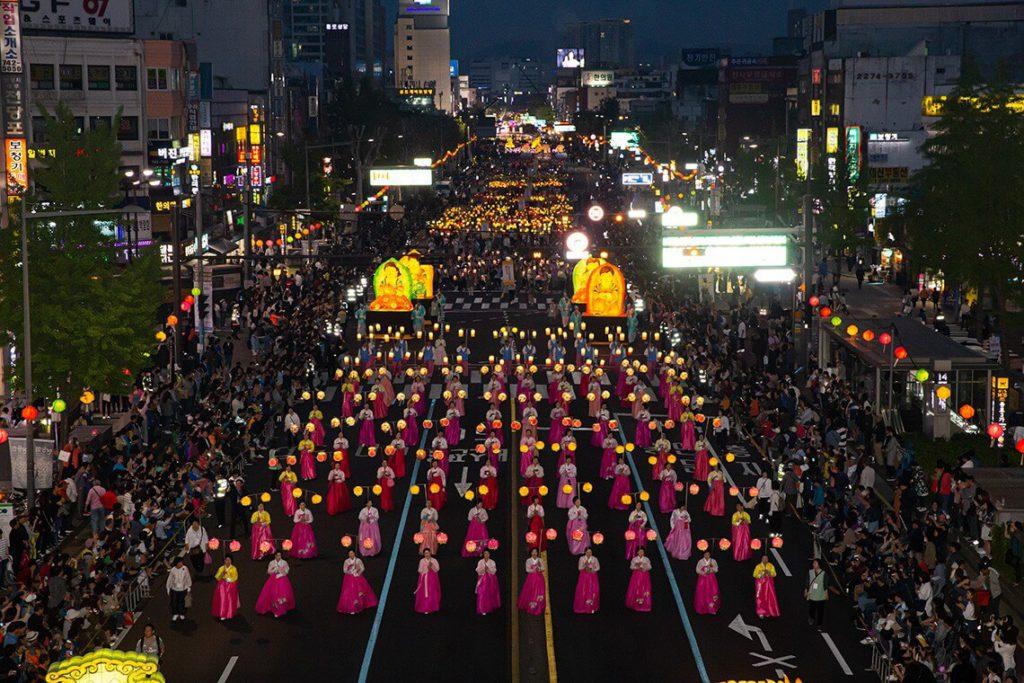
<point x="179" y="585"/>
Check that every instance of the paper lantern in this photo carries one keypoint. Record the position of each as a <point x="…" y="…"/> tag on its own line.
<point x="588" y="487"/>
<point x="776" y="541"/>
<point x="234" y="546"/>
<point x="551" y="534"/>
<point x="645" y="496"/>
<point x="694" y="489"/>
<point x="868" y="335"/>
<point x="852" y="330"/>
<point x="470" y="546"/>
<point x="368" y="543"/>
<point x="597" y="538"/>
<point x="161" y="336"/>
<point x="321" y="457"/>
<point x="337" y="456"/>
<point x="415" y="489"/>
<point x="297" y="492"/>
<point x="357" y="491"/>
<point x="524" y="491"/>
<point x="724" y="543"/>
<point x="213" y="543"/>
<point x="814" y="301"/>
<point x="3" y="436"/>
<point x="921" y="375"/>
<point x="306" y="395"/>
<point x="291" y="460"/>
<point x="755" y="544"/>
<point x="752" y="492"/>
<point x="317" y="499"/>
<point x="542" y="490"/>
<point x="626" y="499"/>
<point x="435" y="488"/>
<point x="630" y="535"/>
<point x="713" y="461"/>
<point x="943" y="392"/>
<point x="994" y="430"/>
<point x="730" y="457"/>
<point x="265" y="547"/>
<point x="417" y="538"/>
<point x="734" y="491"/>
<point x="492" y="544"/>
<point x="671" y="459"/>
<point x="825" y="312"/>
<point x="531" y="538"/>
<point x="246" y="501"/>
<point x="900" y="352"/>
<point x="1019" y="446"/>
<point x="59" y="406"/>
<point x="172" y="320"/>
<point x="470" y="494"/>
<point x="836" y="321"/>
<point x="264" y="497"/>
<point x="651" y="534"/>
<point x="653" y="460"/>
<point x="29" y="412"/>
<point x="702" y="545"/>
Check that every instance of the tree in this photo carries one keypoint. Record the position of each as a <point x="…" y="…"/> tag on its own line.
<point x="91" y="316"/>
<point x="842" y="206"/>
<point x="966" y="215"/>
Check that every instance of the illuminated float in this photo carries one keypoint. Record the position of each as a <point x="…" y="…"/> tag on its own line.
<point x="422" y="275"/>
<point x="106" y="666"/>
<point x="580" y="274"/>
<point x="606" y="292"/>
<point x="392" y="288"/>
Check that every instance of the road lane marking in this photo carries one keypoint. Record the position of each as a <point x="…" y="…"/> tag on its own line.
<point x="364" y="671"/>
<point x="227" y="669"/>
<point x="835" y="651"/>
<point x="549" y="630"/>
<point x="673" y="584"/>
<point x="782" y="563"/>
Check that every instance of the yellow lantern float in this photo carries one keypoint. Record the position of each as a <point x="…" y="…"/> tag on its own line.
<point x="606" y="292"/>
<point x="581" y="274"/>
<point x="392" y="287"/>
<point x="106" y="666"/>
<point x="422" y="275"/>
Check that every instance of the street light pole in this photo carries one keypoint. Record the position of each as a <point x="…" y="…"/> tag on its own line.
<point x="30" y="460"/>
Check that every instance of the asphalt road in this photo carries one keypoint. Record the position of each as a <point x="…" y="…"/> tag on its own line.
<point x="395" y="643"/>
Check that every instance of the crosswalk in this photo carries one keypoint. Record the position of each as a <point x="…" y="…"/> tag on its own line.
<point x="466" y="303"/>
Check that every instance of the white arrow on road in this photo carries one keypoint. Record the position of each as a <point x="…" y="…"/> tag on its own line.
<point x="748" y="632"/>
<point x="463" y="486"/>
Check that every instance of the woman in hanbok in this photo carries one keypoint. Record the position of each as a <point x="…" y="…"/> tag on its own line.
<point x="576" y="532"/>
<point x="609" y="455"/>
<point x="588" y="589"/>
<point x="453" y="428"/>
<point x="492" y="448"/>
<point x="356" y="594"/>
<point x="316" y="418"/>
<point x="765" y="600"/>
<point x="378" y="401"/>
<point x="638" y="594"/>
<point x="386" y="480"/>
<point x="429" y="528"/>
<point x="636" y="532"/>
<point x="261" y="534"/>
<point x="488" y="595"/>
<point x="367" y="433"/>
<point x="303" y="540"/>
<point x="701" y="466"/>
<point x="288" y="480"/>
<point x="740" y="534"/>
<point x="489" y="479"/>
<point x="566" y="394"/>
<point x="535" y="518"/>
<point x="620" y="486"/>
<point x="396" y="456"/>
<point x="341" y="447"/>
<point x="557" y="424"/>
<point x="529" y="424"/>
<point x="534" y="479"/>
<point x="643" y="429"/>
<point x="225" y="597"/>
<point x="533" y="595"/>
<point x="386" y="386"/>
<point x="715" y="503"/>
<point x="476" y="533"/>
<point x="348" y="392"/>
<point x="369" y="530"/>
<point x="437" y="483"/>
<point x="277" y="596"/>
<point x="687" y="430"/>
<point x="493" y="426"/>
<point x="566" y="484"/>
<point x="428" y="586"/>
<point x="667" y="493"/>
<point x="594" y="402"/>
<point x="439" y="453"/>
<point x="411" y="430"/>
<point x="706" y="598"/>
<point x="662" y="449"/>
<point x="307" y="465"/>
<point x="679" y="542"/>
<point x="338" y="498"/>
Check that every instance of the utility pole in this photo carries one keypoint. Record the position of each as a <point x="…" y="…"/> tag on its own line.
<point x="200" y="325"/>
<point x="30" y="425"/>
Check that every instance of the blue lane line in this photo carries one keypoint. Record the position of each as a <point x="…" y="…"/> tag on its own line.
<point x="683" y="614"/>
<point x="364" y="671"/>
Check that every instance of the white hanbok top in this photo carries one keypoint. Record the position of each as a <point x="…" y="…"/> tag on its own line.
<point x="354" y="566"/>
<point x="677" y="516"/>
<point x="590" y="564"/>
<point x="369" y="515"/>
<point x="638" y="515"/>
<point x="277" y="568"/>
<point x="428" y="565"/>
<point x="667" y="474"/>
<point x="534" y="565"/>
<point x="568" y="470"/>
<point x="641" y="563"/>
<point x="578" y="512"/>
<point x="486" y="567"/>
<point x="303" y="515"/>
<point x="535" y="509"/>
<point x="479" y="514"/>
<point x="428" y="515"/>
<point x="707" y="566"/>
<point x="336" y="475"/>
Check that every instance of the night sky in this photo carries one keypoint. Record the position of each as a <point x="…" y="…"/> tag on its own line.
<point x="531" y="28"/>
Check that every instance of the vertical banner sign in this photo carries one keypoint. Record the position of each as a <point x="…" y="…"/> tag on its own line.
<point x="997" y="410"/>
<point x="12" y="94"/>
<point x="803" y="141"/>
<point x="853" y="158"/>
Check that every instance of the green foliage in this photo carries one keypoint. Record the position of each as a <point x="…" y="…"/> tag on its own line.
<point x="842" y="207"/>
<point x="91" y="317"/>
<point x="967" y="215"/>
<point x="772" y="179"/>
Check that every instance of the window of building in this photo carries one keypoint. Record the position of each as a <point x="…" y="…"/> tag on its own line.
<point x="160" y="78"/>
<point x="99" y="77"/>
<point x="158" y="129"/>
<point x="128" y="130"/>
<point x="79" y="125"/>
<point x="833" y="109"/>
<point x="99" y="122"/>
<point x="70" y="76"/>
<point x="126" y="77"/>
<point x="41" y="76"/>
<point x="38" y="129"/>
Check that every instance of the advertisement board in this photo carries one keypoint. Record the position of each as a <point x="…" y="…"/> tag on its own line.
<point x="16" y="160"/>
<point x="598" y="79"/>
<point x="725" y="250"/>
<point x="637" y="179"/>
<point x="803" y="142"/>
<point x="85" y="16"/>
<point x="11" y="60"/>
<point x="624" y="139"/>
<point x="401" y="177"/>
<point x="570" y="58"/>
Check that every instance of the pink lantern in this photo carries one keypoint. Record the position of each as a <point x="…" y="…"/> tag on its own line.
<point x="995" y="430"/>
<point x="651" y="534"/>
<point x="286" y="545"/>
<point x="551" y="534"/>
<point x="630" y="535"/>
<point x="213" y="544"/>
<point x="442" y="538"/>
<point x="346" y="541"/>
<point x="470" y="546"/>
<point x="598" y="538"/>
<point x="777" y="541"/>
<point x="492" y="544"/>
<point x="417" y="538"/>
<point x="531" y="538"/>
<point x="235" y="546"/>
<point x="755" y="544"/>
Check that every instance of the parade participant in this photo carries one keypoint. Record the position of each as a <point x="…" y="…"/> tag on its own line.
<point x="439" y="444"/>
<point x="701" y="467"/>
<point x="348" y="394"/>
<point x="316" y="418"/>
<point x="662" y="449"/>
<point x="419" y="315"/>
<point x="765" y="600"/>
<point x="488" y="595"/>
<point x="636" y="532"/>
<point x="687" y="430"/>
<point x="303" y="541"/>
<point x="452" y="428"/>
<point x="609" y="455"/>
<point x="307" y="465"/>
<point x="225" y="597"/>
<point x="535" y="517"/>
<point x="594" y="402"/>
<point x="410" y="429"/>
<point x="428" y="585"/>
<point x="277" y="596"/>
<point x="566" y="484"/>
<point x="558" y="424"/>
<point x="493" y="426"/>
<point x="620" y="486"/>
<point x="587" y="599"/>
<point x="356" y="593"/>
<point x="338" y="498"/>
<point x="288" y="481"/>
<point x="437" y="483"/>
<point x="707" y="599"/>
<point x="638" y="594"/>
<point x="533" y="595"/>
<point x="396" y="456"/>
<point x="179" y="585"/>
<point x="386" y="481"/>
<point x="378" y="399"/>
<point x="715" y="503"/>
<point x="369" y="530"/>
<point x="740" y="534"/>
<point x="643" y="428"/>
<point x="476" y="533"/>
<point x="679" y="542"/>
<point x="534" y="474"/>
<point x="489" y="479"/>
<point x="429" y="528"/>
<point x="667" y="493"/>
<point x="196" y="540"/>
<point x="341" y="447"/>
<point x="367" y="433"/>
<point x="261" y="534"/>
<point x="576" y="532"/>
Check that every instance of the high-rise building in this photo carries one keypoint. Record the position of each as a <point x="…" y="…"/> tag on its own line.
<point x="508" y="78"/>
<point x="606" y="43"/>
<point x="423" y="50"/>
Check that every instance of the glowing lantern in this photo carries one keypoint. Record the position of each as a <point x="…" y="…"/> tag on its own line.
<point x="921" y="375"/>
<point x="814" y="301"/>
<point x="702" y="545"/>
<point x="588" y="487"/>
<point x="417" y="538"/>
<point x="3" y="436"/>
<point x="297" y="492"/>
<point x="265" y="547"/>
<point x="630" y="535"/>
<point x="825" y="312"/>
<point x="234" y="546"/>
<point x="724" y="543"/>
<point x="265" y="497"/>
<point x="551" y="534"/>
<point x="836" y="321"/>
<point x="626" y="499"/>
<point x="995" y="430"/>
<point x="868" y="335"/>
<point x="852" y="330"/>
<point x="87" y="397"/>
<point x="651" y="534"/>
<point x="531" y="538"/>
<point x="246" y="501"/>
<point x="213" y="543"/>
<point x="59" y="406"/>
<point x="29" y="413"/>
<point x="900" y="352"/>
<point x="694" y="489"/>
<point x="755" y="544"/>
<point x="777" y="541"/>
<point x="943" y="392"/>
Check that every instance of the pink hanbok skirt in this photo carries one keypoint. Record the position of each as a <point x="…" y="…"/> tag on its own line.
<point x="741" y="542"/>
<point x="564" y="499"/>
<point x="688" y="435"/>
<point x="639" y="539"/>
<point x="318" y="431"/>
<point x="303" y="542"/>
<point x="608" y="461"/>
<point x="533" y="596"/>
<point x="715" y="504"/>
<point x="277" y="597"/>
<point x="588" y="594"/>
<point x="638" y="595"/>
<point x="356" y="595"/>
<point x="577" y="535"/>
<point x="643" y="435"/>
<point x="620" y="487"/>
<point x="679" y="543"/>
<point x="259" y="534"/>
<point x="428" y="593"/>
<point x="367" y="435"/>
<point x="707" y="599"/>
<point x="307" y="465"/>
<point x="287" y="499"/>
<point x="766" y="602"/>
<point x="369" y="530"/>
<point x="453" y="432"/>
<point x="667" y="496"/>
<point x="225" y="600"/>
<point x="477" y="532"/>
<point x="488" y="596"/>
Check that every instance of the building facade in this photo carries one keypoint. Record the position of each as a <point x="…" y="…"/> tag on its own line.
<point x="606" y="43"/>
<point x="422" y="50"/>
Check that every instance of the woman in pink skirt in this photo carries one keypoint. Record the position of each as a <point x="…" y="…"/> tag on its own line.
<point x="576" y="532"/>
<point x="369" y="530"/>
<point x="715" y="503"/>
<point x="679" y="542"/>
<point x="288" y="479"/>
<point x="687" y="430"/>
<point x="225" y="597"/>
<point x="701" y="468"/>
<point x="609" y="455"/>
<point x="488" y="596"/>
<point x="396" y="456"/>
<point x="620" y="486"/>
<point x="452" y="427"/>
<point x="566" y="484"/>
<point x="557" y="424"/>
<point x="601" y="430"/>
<point x="667" y="492"/>
<point x="367" y="433"/>
<point x="588" y="589"/>
<point x="307" y="465"/>
<point x="261" y="534"/>
<point x="476" y="533"/>
<point x="356" y="594"/>
<point x="428" y="585"/>
<point x="740" y="534"/>
<point x="411" y="430"/>
<point x="765" y="600"/>
<point x="662" y="449"/>
<point x="533" y="596"/>
<point x="277" y="596"/>
<point x="636" y="532"/>
<point x="303" y="541"/>
<point x="338" y="498"/>
<point x="707" y="599"/>
<point x="638" y="595"/>
<point x="535" y="517"/>
<point x="429" y="528"/>
<point x="643" y="429"/>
